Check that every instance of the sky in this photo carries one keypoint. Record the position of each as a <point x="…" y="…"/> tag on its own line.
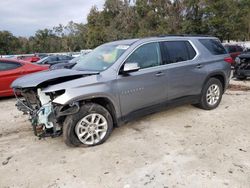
<point x="25" y="17"/>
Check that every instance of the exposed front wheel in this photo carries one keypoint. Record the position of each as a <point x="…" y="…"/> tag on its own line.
<point x="92" y="125"/>
<point x="211" y="94"/>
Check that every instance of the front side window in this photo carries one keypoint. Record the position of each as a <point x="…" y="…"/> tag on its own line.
<point x="4" y="66"/>
<point x="146" y="56"/>
<point x="101" y="58"/>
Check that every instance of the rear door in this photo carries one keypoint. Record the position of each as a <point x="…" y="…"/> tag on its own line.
<point x="145" y="87"/>
<point x="185" y="73"/>
<point x="9" y="71"/>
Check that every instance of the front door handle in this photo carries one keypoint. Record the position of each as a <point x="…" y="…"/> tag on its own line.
<point x="199" y="66"/>
<point x="159" y="74"/>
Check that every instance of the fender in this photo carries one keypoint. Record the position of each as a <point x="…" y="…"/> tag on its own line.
<point x="219" y="74"/>
<point x="93" y="97"/>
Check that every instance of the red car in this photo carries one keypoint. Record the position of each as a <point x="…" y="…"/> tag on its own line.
<point x="233" y="49"/>
<point x="10" y="69"/>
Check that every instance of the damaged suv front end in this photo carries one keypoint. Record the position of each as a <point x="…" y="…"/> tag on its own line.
<point x="57" y="100"/>
<point x="45" y="114"/>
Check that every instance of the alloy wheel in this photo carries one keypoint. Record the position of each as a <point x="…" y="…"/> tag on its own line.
<point x="213" y="94"/>
<point x="91" y="129"/>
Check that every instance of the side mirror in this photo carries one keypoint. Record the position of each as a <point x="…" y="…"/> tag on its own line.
<point x="130" y="67"/>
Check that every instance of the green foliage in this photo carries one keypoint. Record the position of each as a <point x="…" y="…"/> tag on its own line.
<point x="121" y="19"/>
<point x="8" y="42"/>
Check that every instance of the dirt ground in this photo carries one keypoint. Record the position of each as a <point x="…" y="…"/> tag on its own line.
<point x="179" y="147"/>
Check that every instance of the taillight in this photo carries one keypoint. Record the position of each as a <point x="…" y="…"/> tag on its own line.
<point x="229" y="60"/>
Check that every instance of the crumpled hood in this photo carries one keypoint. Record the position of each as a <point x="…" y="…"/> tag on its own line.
<point x="50" y="77"/>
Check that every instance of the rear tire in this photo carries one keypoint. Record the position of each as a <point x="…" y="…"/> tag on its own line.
<point x="211" y="94"/>
<point x="91" y="126"/>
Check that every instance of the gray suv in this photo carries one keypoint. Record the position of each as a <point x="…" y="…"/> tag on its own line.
<point x="122" y="80"/>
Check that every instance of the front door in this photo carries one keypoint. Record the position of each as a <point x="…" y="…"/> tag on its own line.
<point x="9" y="71"/>
<point x="145" y="87"/>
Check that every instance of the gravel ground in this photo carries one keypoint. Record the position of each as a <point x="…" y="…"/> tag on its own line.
<point x="179" y="147"/>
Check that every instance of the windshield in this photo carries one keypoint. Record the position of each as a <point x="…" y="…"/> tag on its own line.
<point x="100" y="58"/>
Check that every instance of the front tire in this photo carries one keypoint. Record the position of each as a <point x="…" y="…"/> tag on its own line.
<point x="91" y="126"/>
<point x="211" y="94"/>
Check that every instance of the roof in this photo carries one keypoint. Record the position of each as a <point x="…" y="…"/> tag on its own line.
<point x="12" y="60"/>
<point x="123" y="42"/>
<point x="179" y="36"/>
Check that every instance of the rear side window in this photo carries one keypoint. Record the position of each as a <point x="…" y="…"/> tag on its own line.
<point x="177" y="51"/>
<point x="4" y="66"/>
<point x="214" y="46"/>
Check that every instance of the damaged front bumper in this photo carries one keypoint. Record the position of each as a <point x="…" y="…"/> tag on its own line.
<point x="242" y="66"/>
<point x="46" y="116"/>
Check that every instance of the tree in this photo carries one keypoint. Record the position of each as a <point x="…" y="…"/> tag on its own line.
<point x="95" y="34"/>
<point x="193" y="17"/>
<point x="122" y="19"/>
<point x="8" y="43"/>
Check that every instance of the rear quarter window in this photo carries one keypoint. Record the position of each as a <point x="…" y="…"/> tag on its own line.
<point x="214" y="46"/>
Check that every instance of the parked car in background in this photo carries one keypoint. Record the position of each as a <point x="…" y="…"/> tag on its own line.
<point x="242" y="66"/>
<point x="11" y="69"/>
<point x="66" y="65"/>
<point x="121" y="80"/>
<point x="233" y="49"/>
<point x="8" y="56"/>
<point x="86" y="51"/>
<point x="29" y="58"/>
<point x="42" y="55"/>
<point x="69" y="64"/>
<point x="54" y="59"/>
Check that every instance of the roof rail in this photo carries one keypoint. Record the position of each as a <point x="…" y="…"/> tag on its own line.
<point x="184" y="35"/>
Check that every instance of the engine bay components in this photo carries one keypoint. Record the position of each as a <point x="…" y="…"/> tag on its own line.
<point x="242" y="66"/>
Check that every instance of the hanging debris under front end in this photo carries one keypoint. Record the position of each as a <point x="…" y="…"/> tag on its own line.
<point x="46" y="118"/>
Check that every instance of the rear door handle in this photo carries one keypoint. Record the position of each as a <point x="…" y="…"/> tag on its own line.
<point x="199" y="66"/>
<point x="159" y="74"/>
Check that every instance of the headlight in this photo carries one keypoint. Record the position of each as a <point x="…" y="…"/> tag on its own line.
<point x="55" y="94"/>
